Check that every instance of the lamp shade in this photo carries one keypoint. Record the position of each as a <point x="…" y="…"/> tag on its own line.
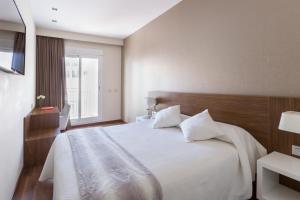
<point x="290" y="121"/>
<point x="150" y="101"/>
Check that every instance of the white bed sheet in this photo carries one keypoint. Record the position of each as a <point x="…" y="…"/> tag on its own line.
<point x="205" y="170"/>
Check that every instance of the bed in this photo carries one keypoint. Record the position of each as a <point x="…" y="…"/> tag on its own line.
<point x="211" y="169"/>
<point x="215" y="169"/>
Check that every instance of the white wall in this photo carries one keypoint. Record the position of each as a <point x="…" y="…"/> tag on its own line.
<point x="17" y="95"/>
<point x="110" y="77"/>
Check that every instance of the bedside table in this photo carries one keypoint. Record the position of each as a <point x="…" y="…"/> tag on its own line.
<point x="142" y="118"/>
<point x="268" y="170"/>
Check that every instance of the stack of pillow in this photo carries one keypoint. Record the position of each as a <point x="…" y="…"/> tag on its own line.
<point x="198" y="127"/>
<point x="202" y="127"/>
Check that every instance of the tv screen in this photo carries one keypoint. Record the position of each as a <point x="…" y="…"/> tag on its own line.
<point x="12" y="38"/>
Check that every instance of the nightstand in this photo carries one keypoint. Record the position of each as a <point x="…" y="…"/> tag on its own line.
<point x="142" y="118"/>
<point x="268" y="170"/>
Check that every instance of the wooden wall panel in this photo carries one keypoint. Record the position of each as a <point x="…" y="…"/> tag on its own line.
<point x="258" y="114"/>
<point x="296" y="138"/>
<point x="282" y="141"/>
<point x="250" y="112"/>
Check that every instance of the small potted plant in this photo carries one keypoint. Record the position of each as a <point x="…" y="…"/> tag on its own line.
<point x="40" y="99"/>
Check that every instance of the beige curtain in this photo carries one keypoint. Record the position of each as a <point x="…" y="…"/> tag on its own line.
<point x="50" y="71"/>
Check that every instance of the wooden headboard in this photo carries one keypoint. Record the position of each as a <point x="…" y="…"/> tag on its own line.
<point x="259" y="115"/>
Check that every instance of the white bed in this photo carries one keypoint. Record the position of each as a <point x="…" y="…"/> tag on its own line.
<point x="206" y="170"/>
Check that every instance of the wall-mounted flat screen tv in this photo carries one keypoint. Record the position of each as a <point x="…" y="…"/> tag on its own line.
<point x="12" y="38"/>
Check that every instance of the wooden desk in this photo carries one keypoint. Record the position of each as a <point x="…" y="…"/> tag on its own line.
<point x="40" y="129"/>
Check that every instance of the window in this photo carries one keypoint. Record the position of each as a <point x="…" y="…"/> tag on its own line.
<point x="83" y="88"/>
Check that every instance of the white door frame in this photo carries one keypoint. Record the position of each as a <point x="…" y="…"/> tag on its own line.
<point x="89" y="120"/>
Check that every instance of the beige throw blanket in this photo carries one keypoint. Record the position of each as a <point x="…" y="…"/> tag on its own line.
<point x="106" y="171"/>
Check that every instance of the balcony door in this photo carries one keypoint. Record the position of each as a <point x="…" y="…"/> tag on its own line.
<point x="83" y="88"/>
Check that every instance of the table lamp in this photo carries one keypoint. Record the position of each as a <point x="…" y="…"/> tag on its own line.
<point x="151" y="105"/>
<point x="290" y="121"/>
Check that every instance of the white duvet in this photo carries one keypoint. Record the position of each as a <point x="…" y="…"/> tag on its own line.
<point x="206" y="170"/>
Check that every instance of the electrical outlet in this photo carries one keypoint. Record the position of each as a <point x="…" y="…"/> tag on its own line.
<point x="295" y="150"/>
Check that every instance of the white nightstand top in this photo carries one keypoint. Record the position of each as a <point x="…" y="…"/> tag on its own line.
<point x="283" y="164"/>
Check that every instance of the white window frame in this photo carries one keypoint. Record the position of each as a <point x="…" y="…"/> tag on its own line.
<point x="82" y="121"/>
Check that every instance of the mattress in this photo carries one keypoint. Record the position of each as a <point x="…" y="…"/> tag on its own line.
<point x="206" y="170"/>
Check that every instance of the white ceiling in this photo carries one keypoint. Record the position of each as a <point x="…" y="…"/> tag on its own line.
<point x="9" y="12"/>
<point x="111" y="18"/>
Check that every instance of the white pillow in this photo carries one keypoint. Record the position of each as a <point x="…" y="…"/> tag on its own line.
<point x="200" y="127"/>
<point x="184" y="117"/>
<point x="168" y="117"/>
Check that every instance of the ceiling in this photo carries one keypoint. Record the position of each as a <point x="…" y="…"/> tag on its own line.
<point x="111" y="18"/>
<point x="9" y="12"/>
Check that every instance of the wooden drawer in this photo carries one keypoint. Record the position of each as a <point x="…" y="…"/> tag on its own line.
<point x="44" y="119"/>
<point x="36" y="148"/>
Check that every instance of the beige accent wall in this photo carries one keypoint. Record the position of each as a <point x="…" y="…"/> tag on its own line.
<point x="214" y="46"/>
<point x="17" y="97"/>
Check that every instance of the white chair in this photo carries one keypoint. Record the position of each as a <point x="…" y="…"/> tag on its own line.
<point x="64" y="118"/>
